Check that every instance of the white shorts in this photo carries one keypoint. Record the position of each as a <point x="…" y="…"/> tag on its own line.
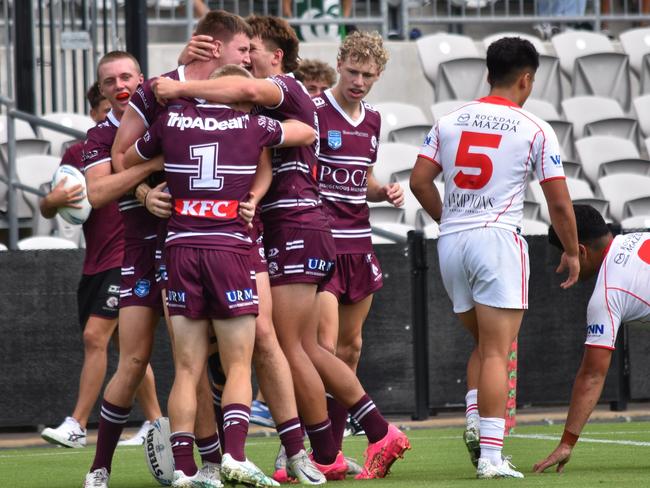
<point x="487" y="265"/>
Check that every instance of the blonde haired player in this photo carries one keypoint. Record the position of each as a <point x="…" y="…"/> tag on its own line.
<point x="486" y="150"/>
<point x="349" y="135"/>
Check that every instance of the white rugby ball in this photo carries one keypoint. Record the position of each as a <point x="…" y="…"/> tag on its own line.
<point x="73" y="177"/>
<point x="158" y="451"/>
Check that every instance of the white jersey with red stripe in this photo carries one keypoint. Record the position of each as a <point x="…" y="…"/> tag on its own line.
<point x="622" y="292"/>
<point x="487" y="149"/>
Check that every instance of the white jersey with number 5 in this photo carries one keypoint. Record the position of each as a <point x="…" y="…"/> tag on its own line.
<point x="487" y="149"/>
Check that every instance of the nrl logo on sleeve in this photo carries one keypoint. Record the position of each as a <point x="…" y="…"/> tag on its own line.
<point x="334" y="140"/>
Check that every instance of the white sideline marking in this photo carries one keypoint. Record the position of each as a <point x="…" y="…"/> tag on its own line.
<point x="582" y="439"/>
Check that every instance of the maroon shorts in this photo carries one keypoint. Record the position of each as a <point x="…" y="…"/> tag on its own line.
<point x="299" y="256"/>
<point x="258" y="256"/>
<point x="138" y="287"/>
<point x="210" y="284"/>
<point x="161" y="267"/>
<point x="356" y="276"/>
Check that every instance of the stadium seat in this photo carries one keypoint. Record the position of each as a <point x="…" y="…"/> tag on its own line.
<point x="443" y="108"/>
<point x="426" y="224"/>
<point x="384" y="212"/>
<point x="531" y="227"/>
<point x="621" y="188"/>
<point x="598" y="203"/>
<point x="3" y="247"/>
<point x="394" y="157"/>
<point x="23" y="129"/>
<point x="584" y="110"/>
<point x="640" y="222"/>
<point x="72" y="120"/>
<point x="595" y="150"/>
<point x="25" y="147"/>
<point x="578" y="189"/>
<point x="641" y="106"/>
<point x="543" y="109"/>
<point x="534" y="40"/>
<point x="603" y="74"/>
<point x="637" y="207"/>
<point x="45" y="242"/>
<point x="393" y="231"/>
<point x="453" y="65"/>
<point x="644" y="80"/>
<point x="396" y="116"/>
<point x="34" y="171"/>
<point x="531" y="210"/>
<point x="647" y="144"/>
<point x="571" y="45"/>
<point x="548" y="81"/>
<point x="636" y="44"/>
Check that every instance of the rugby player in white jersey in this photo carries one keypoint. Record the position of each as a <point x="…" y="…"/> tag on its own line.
<point x="298" y="239"/>
<point x="349" y="135"/>
<point x="486" y="150"/>
<point x="621" y="295"/>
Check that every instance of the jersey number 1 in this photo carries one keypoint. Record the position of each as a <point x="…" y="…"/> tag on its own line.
<point x="466" y="159"/>
<point x="207" y="154"/>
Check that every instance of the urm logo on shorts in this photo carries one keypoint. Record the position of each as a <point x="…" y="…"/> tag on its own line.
<point x="239" y="295"/>
<point x="176" y="296"/>
<point x="142" y="288"/>
<point x="595" y="329"/>
<point x="319" y="264"/>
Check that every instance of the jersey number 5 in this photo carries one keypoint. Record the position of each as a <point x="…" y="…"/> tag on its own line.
<point x="466" y="159"/>
<point x="207" y="154"/>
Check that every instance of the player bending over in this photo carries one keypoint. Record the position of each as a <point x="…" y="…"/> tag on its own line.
<point x="486" y="151"/>
<point x="621" y="295"/>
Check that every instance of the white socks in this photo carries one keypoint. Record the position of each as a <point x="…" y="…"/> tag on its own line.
<point x="471" y="408"/>
<point x="492" y="430"/>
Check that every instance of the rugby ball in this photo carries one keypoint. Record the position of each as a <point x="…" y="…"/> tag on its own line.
<point x="158" y="452"/>
<point x="73" y="177"/>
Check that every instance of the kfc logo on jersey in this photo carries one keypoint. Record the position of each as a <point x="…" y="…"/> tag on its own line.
<point x="334" y="139"/>
<point x="208" y="209"/>
<point x="142" y="288"/>
<point x="240" y="297"/>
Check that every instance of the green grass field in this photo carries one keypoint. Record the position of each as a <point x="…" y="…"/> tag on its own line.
<point x="612" y="454"/>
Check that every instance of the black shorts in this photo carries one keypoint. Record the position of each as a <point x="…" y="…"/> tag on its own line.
<point x="99" y="294"/>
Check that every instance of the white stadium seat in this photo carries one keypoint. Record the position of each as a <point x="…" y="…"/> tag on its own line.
<point x="45" y="242"/>
<point x="34" y="171"/>
<point x="543" y="109"/>
<point x="439" y="48"/>
<point x="621" y="188"/>
<point x="637" y="207"/>
<point x="636" y="44"/>
<point x="443" y="108"/>
<point x="595" y="150"/>
<point x="584" y="110"/>
<point x="395" y="116"/>
<point x="72" y="120"/>
<point x="394" y="157"/>
<point x="534" y="40"/>
<point x="22" y="128"/>
<point x="578" y="189"/>
<point x="638" y="222"/>
<point x="642" y="109"/>
<point x="571" y="45"/>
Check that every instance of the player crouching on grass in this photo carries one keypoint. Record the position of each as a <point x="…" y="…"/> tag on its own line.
<point x="211" y="155"/>
<point x="621" y="295"/>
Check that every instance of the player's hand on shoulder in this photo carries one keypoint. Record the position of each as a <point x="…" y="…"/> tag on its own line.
<point x="165" y="88"/>
<point x="572" y="265"/>
<point x="65" y="197"/>
<point x="159" y="202"/>
<point x="560" y="456"/>
<point x="394" y="194"/>
<point x="247" y="210"/>
<point x="198" y="49"/>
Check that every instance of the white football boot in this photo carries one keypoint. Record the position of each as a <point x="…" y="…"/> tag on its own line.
<point x="487" y="470"/>
<point x="206" y="477"/>
<point x="68" y="434"/>
<point x="97" y="479"/>
<point x="244" y="472"/>
<point x="300" y="467"/>
<point x="139" y="437"/>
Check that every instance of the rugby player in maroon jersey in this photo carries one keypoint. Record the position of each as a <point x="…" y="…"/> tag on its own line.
<point x="301" y="252"/>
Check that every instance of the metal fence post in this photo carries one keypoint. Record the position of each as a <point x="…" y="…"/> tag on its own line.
<point x="417" y="249"/>
<point x="24" y="55"/>
<point x="12" y="200"/>
<point x="136" y="31"/>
